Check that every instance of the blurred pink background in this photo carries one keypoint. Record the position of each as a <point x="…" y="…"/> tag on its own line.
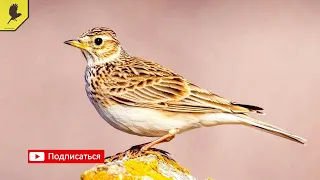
<point x="264" y="53"/>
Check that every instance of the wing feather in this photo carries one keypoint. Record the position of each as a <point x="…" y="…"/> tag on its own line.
<point x="154" y="93"/>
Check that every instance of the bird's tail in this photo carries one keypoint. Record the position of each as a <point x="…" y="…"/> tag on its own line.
<point x="248" y="121"/>
<point x="271" y="129"/>
<point x="9" y="21"/>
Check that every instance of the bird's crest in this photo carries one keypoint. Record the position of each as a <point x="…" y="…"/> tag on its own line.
<point x="99" y="30"/>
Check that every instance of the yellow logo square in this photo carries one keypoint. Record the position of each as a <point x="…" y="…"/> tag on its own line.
<point x="13" y="13"/>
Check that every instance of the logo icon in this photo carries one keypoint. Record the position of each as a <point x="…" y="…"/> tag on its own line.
<point x="36" y="156"/>
<point x="13" y="14"/>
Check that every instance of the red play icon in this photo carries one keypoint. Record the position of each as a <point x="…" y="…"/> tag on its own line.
<point x="36" y="156"/>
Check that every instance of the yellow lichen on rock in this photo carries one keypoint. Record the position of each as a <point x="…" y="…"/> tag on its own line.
<point x="130" y="165"/>
<point x="148" y="168"/>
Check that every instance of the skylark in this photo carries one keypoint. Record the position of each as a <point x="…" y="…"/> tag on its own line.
<point x="140" y="97"/>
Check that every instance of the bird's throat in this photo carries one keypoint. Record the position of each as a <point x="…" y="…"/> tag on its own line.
<point x="94" y="59"/>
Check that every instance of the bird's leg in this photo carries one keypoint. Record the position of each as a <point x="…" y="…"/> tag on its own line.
<point x="166" y="138"/>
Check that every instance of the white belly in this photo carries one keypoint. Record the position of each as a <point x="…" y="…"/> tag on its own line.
<point x="146" y="122"/>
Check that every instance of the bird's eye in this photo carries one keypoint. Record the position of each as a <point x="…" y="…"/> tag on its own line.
<point x="98" y="41"/>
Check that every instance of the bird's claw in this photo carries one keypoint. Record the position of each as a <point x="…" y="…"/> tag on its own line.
<point x="138" y="151"/>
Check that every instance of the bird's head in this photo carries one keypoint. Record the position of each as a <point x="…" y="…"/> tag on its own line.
<point x="99" y="45"/>
<point x="19" y="14"/>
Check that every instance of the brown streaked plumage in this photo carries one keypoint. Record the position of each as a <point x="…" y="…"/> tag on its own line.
<point x="141" y="97"/>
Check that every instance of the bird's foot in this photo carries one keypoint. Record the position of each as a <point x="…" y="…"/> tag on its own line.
<point x="145" y="148"/>
<point x="136" y="151"/>
<point x="118" y="156"/>
<point x="133" y="152"/>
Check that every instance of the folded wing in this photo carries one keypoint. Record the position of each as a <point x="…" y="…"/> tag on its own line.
<point x="162" y="89"/>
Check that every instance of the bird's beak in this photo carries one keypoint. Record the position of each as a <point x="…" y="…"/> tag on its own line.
<point x="76" y="43"/>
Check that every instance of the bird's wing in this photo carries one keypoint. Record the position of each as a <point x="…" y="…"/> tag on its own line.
<point x="150" y="85"/>
<point x="13" y="9"/>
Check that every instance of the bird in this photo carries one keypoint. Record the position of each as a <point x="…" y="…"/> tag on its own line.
<point x="13" y="12"/>
<point x="141" y="97"/>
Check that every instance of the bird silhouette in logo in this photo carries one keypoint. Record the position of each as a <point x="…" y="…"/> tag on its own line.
<point x="13" y="12"/>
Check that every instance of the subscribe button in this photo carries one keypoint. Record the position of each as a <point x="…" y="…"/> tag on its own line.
<point x="65" y="156"/>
